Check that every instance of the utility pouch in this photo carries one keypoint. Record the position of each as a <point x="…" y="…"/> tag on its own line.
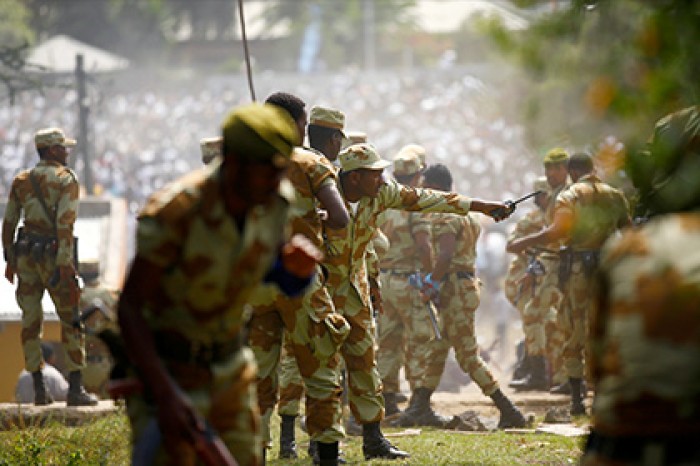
<point x="589" y="260"/>
<point x="566" y="260"/>
<point x="36" y="250"/>
<point x="21" y="246"/>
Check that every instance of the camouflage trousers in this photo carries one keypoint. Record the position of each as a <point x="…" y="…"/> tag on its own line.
<point x="364" y="384"/>
<point x="515" y="293"/>
<point x="290" y="382"/>
<point x="314" y="332"/>
<point x="459" y="300"/>
<point x="224" y="394"/>
<point x="405" y="326"/>
<point x="579" y="294"/>
<point x="33" y="279"/>
<point x="537" y="311"/>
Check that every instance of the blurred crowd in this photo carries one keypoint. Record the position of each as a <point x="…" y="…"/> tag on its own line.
<point x="144" y="134"/>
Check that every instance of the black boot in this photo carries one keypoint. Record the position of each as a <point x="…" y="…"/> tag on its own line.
<point x="577" y="406"/>
<point x="510" y="415"/>
<point x="42" y="396"/>
<point x="536" y="379"/>
<point x="390" y="404"/>
<point x="562" y="389"/>
<point x="327" y="454"/>
<point x="421" y="413"/>
<point x="77" y="396"/>
<point x="522" y="365"/>
<point x="375" y="445"/>
<point x="288" y="446"/>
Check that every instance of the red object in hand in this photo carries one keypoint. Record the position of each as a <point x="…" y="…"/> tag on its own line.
<point x="300" y="256"/>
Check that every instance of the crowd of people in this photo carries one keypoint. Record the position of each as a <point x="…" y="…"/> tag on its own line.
<point x="361" y="264"/>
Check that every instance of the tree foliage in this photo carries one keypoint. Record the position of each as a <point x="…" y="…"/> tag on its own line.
<point x="603" y="68"/>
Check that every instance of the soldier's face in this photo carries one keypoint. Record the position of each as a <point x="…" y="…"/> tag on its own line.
<point x="257" y="183"/>
<point x="301" y="127"/>
<point x="556" y="174"/>
<point x="370" y="181"/>
<point x="59" y="153"/>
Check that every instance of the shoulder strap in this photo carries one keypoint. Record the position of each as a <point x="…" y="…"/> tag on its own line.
<point x="37" y="191"/>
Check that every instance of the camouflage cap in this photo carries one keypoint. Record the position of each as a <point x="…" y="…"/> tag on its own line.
<point x="541" y="184"/>
<point x="89" y="267"/>
<point x="48" y="137"/>
<point x="413" y="150"/>
<point x="353" y="137"/>
<point x="327" y="117"/>
<point x="260" y="132"/>
<point x="211" y="148"/>
<point x="556" y="155"/>
<point x="407" y="164"/>
<point x="362" y="155"/>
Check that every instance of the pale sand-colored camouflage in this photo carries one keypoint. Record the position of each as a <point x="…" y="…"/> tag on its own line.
<point x="211" y="270"/>
<point x="314" y="331"/>
<point x="459" y="299"/>
<point x="413" y="150"/>
<point x="598" y="209"/>
<point x="530" y="223"/>
<point x="645" y="344"/>
<point x="353" y="137"/>
<point x="349" y="285"/>
<point x="406" y="164"/>
<point x="541" y="184"/>
<point x="60" y="190"/>
<point x="98" y="361"/>
<point x="48" y="137"/>
<point x="363" y="155"/>
<point x="543" y="336"/>
<point x="327" y="117"/>
<point x="404" y="321"/>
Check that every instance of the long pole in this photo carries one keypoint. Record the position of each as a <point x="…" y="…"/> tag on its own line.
<point x="83" y="137"/>
<point x="244" y="37"/>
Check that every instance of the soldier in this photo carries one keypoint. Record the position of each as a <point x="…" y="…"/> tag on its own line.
<point x="312" y="329"/>
<point x="211" y="148"/>
<point x="546" y="296"/>
<point x="457" y="291"/>
<point x="585" y="215"/>
<point x="404" y="325"/>
<point x="203" y="243"/>
<point x="645" y="333"/>
<point x="98" y="304"/>
<point x="367" y="195"/>
<point x="42" y="256"/>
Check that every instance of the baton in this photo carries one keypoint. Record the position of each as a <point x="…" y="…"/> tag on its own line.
<point x="500" y="213"/>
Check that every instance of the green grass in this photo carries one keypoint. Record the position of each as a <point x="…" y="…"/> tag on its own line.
<point x="106" y="442"/>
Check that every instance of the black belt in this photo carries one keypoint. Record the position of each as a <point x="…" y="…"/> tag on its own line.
<point x="397" y="273"/>
<point x="680" y="448"/>
<point x="175" y="347"/>
<point x="464" y="275"/>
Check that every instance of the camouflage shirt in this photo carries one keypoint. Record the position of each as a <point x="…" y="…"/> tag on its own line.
<point x="60" y="190"/>
<point x="466" y="230"/>
<point x="531" y="223"/>
<point x="645" y="338"/>
<point x="210" y="266"/>
<point x="597" y="210"/>
<point x="309" y="171"/>
<point x="400" y="228"/>
<point x="347" y="247"/>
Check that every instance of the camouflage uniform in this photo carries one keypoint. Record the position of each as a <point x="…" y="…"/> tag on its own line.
<point x="312" y="329"/>
<point x="532" y="222"/>
<point x="597" y="210"/>
<point x="349" y="285"/>
<point x="46" y="243"/>
<point x="645" y="350"/>
<point x="459" y="299"/>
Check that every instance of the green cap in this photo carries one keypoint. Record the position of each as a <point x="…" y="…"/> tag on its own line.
<point x="362" y="155"/>
<point x="48" y="137"/>
<point x="556" y="155"/>
<point x="327" y="117"/>
<point x="260" y="132"/>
